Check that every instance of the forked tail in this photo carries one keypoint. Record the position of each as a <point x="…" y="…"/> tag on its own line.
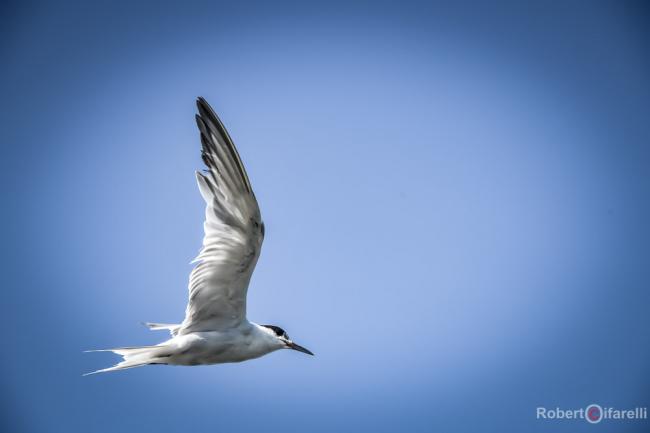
<point x="134" y="357"/>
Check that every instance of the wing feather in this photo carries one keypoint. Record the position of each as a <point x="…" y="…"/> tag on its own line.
<point x="233" y="232"/>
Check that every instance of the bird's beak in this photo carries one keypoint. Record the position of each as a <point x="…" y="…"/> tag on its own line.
<point x="294" y="346"/>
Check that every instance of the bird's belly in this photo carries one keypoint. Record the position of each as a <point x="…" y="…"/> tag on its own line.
<point x="212" y="349"/>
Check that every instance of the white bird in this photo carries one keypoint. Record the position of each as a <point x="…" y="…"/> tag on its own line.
<point x="215" y="329"/>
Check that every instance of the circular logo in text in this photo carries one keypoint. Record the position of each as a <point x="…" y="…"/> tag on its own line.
<point x="594" y="413"/>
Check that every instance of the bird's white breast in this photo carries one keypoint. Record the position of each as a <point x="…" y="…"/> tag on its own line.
<point x="237" y="344"/>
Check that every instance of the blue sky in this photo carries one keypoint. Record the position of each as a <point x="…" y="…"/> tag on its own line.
<point x="456" y="203"/>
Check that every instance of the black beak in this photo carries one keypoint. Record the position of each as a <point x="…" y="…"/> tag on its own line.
<point x="294" y="346"/>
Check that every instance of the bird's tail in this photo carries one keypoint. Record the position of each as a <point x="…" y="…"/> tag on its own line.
<point x="134" y="357"/>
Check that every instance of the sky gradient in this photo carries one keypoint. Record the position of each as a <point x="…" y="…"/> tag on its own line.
<point x="455" y="198"/>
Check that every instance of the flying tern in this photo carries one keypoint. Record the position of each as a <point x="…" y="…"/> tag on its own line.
<point x="215" y="329"/>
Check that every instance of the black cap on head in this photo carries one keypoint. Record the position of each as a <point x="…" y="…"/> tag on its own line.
<point x="278" y="331"/>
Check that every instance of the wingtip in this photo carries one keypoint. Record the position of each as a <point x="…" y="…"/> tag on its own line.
<point x="201" y="103"/>
<point x="200" y="123"/>
<point x="206" y="113"/>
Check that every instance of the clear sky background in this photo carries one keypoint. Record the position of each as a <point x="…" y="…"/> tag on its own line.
<point x="456" y="202"/>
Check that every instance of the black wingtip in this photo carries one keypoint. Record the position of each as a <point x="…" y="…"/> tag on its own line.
<point x="204" y="107"/>
<point x="207" y="120"/>
<point x="200" y="123"/>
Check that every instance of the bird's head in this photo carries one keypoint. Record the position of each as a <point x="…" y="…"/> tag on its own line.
<point x="283" y="339"/>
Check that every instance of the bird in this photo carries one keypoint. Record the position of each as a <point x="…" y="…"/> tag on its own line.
<point x="215" y="329"/>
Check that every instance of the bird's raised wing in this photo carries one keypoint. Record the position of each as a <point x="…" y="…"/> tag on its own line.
<point x="233" y="233"/>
